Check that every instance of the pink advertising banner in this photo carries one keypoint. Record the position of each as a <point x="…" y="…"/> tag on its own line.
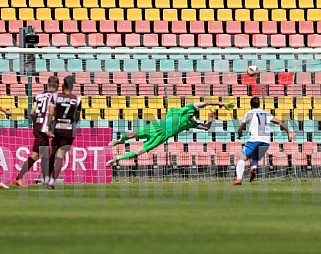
<point x="84" y="163"/>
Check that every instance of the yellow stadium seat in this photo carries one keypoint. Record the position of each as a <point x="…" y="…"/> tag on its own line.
<point x="36" y="3"/>
<point x="144" y="4"/>
<point x="279" y="15"/>
<point x="297" y="15"/>
<point x="270" y="4"/>
<point x="288" y="4"/>
<point x="170" y="14"/>
<point x="43" y="14"/>
<point x="234" y="4"/>
<point x="179" y="4"/>
<point x="301" y="114"/>
<point x="7" y="101"/>
<point x="224" y="14"/>
<point x="215" y="98"/>
<point x="261" y="15"/>
<point x="90" y="4"/>
<point x="107" y="4"/>
<point x="92" y="114"/>
<point x="174" y="102"/>
<point x="303" y="102"/>
<point x="72" y="4"/>
<point x="62" y="14"/>
<point x="98" y="101"/>
<point x="126" y="3"/>
<point x="8" y="13"/>
<point x="252" y="4"/>
<point x="206" y="14"/>
<point x="305" y="4"/>
<point x="137" y="102"/>
<point x="118" y="101"/>
<point x="197" y="4"/>
<point x="54" y="4"/>
<point x="17" y="114"/>
<point x="4" y="3"/>
<point x="152" y="14"/>
<point x="224" y="115"/>
<point x="150" y="114"/>
<point x="216" y="4"/>
<point x="242" y="15"/>
<point x="130" y="114"/>
<point x="155" y="102"/>
<point x="269" y="103"/>
<point x="282" y="114"/>
<point x="245" y="102"/>
<point x="116" y="14"/>
<point x="189" y="14"/>
<point x="18" y="3"/>
<point x="134" y="14"/>
<point x="162" y="4"/>
<point x="318" y="4"/>
<point x="285" y="102"/>
<point x="191" y="99"/>
<point x="26" y="14"/>
<point x="314" y="14"/>
<point x="97" y="14"/>
<point x="84" y="102"/>
<point x="316" y="114"/>
<point x="80" y="14"/>
<point x="22" y="101"/>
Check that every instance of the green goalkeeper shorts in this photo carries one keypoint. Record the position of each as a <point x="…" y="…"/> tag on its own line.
<point x="154" y="134"/>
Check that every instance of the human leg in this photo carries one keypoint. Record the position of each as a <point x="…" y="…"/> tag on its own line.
<point x="123" y="139"/>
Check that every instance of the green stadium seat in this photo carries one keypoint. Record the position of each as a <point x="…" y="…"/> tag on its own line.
<point x="268" y="56"/>
<point x="49" y="56"/>
<point x="204" y="65"/>
<point x="84" y="124"/>
<point x="313" y="66"/>
<point x="233" y="125"/>
<point x="223" y="137"/>
<point x="140" y="56"/>
<point x="148" y="65"/>
<point x="101" y="123"/>
<point x="6" y="123"/>
<point x="240" y="65"/>
<point x="4" y="65"/>
<point x="75" y="65"/>
<point x="203" y="136"/>
<point x="16" y="65"/>
<point x="214" y="56"/>
<point x="286" y="56"/>
<point x="194" y="56"/>
<point x="221" y="66"/>
<point x="232" y="56"/>
<point x="185" y="65"/>
<point x="113" y="65"/>
<point x="11" y="55"/>
<point x="261" y="64"/>
<point x="159" y="56"/>
<point x="310" y="126"/>
<point x="120" y="125"/>
<point x="85" y="56"/>
<point x="306" y="56"/>
<point x="130" y="65"/>
<point x="103" y="56"/>
<point x="93" y="65"/>
<point x="41" y="65"/>
<point x="295" y="65"/>
<point x="57" y="65"/>
<point x="185" y="137"/>
<point x="166" y="65"/>
<point x="277" y="65"/>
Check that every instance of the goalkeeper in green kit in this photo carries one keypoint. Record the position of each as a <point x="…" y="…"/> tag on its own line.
<point x="158" y="132"/>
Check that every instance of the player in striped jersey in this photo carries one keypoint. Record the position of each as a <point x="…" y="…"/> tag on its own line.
<point x="39" y="116"/>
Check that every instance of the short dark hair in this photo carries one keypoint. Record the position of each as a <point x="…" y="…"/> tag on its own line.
<point x="53" y="81"/>
<point x="69" y="82"/>
<point x="255" y="102"/>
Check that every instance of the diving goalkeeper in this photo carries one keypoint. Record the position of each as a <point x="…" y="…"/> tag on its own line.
<point x="158" y="132"/>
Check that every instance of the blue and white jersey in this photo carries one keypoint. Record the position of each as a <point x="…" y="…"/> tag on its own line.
<point x="258" y="122"/>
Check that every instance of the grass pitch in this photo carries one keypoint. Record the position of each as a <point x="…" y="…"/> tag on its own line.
<point x="162" y="218"/>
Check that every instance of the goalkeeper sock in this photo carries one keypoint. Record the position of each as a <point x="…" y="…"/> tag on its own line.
<point x="58" y="166"/>
<point x="240" y="169"/>
<point x="125" y="156"/>
<point x="26" y="166"/>
<point x="123" y="139"/>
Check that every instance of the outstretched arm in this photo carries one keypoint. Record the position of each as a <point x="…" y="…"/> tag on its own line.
<point x="206" y="126"/>
<point x="6" y="111"/>
<point x="240" y="130"/>
<point x="205" y="104"/>
<point x="33" y="114"/>
<point x="279" y="122"/>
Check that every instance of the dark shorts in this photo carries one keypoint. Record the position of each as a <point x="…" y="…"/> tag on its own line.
<point x="61" y="142"/>
<point x="41" y="140"/>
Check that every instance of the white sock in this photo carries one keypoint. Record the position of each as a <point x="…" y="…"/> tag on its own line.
<point x="240" y="169"/>
<point x="52" y="181"/>
<point x="47" y="178"/>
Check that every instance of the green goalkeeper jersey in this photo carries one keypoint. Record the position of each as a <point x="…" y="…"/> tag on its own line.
<point x="179" y="119"/>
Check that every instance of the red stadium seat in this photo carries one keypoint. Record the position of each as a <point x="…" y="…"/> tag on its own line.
<point x="174" y="77"/>
<point x="2" y="26"/>
<point x="196" y="147"/>
<point x="306" y="27"/>
<point x="295" y="90"/>
<point x="15" y="25"/>
<point x="310" y="147"/>
<point x="128" y="89"/>
<point x="150" y="40"/>
<point x="299" y="159"/>
<point x="132" y="40"/>
<point x="288" y="27"/>
<point x="241" y="40"/>
<point x="142" y="26"/>
<point x="43" y="77"/>
<point x="175" y="146"/>
<point x="259" y="40"/>
<point x="314" y="40"/>
<point x="24" y="80"/>
<point x="120" y="77"/>
<point x="269" y="27"/>
<point x="233" y="147"/>
<point x="183" y="158"/>
<point x="169" y="40"/>
<point x="16" y="89"/>
<point x="196" y="27"/>
<point x="215" y="27"/>
<point x="303" y="78"/>
<point x="124" y="26"/>
<point x="179" y="27"/>
<point x="278" y="40"/>
<point x="267" y="78"/>
<point x="77" y="40"/>
<point x="184" y="89"/>
<point x="202" y="89"/>
<point x="70" y="26"/>
<point x="229" y="78"/>
<point x="319" y="27"/>
<point x="146" y="89"/>
<point x="6" y="40"/>
<point x="251" y="27"/>
<point x="259" y="89"/>
<point x="204" y="159"/>
<point x="214" y="146"/>
<point x="161" y="27"/>
<point x="222" y="159"/>
<point x="145" y="159"/>
<point x="101" y="77"/>
<point x="233" y="27"/>
<point x="88" y="26"/>
<point x="276" y="90"/>
<point x="279" y="159"/>
<point x="290" y="147"/>
<point x="114" y="40"/>
<point x="109" y="89"/>
<point x="96" y="40"/>
<point x="223" y="40"/>
<point x="186" y="40"/>
<point x="43" y="40"/>
<point x="82" y="77"/>
<point x="36" y="89"/>
<point x="316" y="159"/>
<point x="161" y="89"/>
<point x="36" y="24"/>
<point x="193" y="77"/>
<point x="220" y="90"/>
<point x="205" y="40"/>
<point x="296" y="41"/>
<point x="91" y="90"/>
<point x="156" y="78"/>
<point x="247" y="80"/>
<point x="285" y="78"/>
<point x="61" y="75"/>
<point x="138" y="78"/>
<point x="317" y="78"/>
<point x="51" y="26"/>
<point x="106" y="26"/>
<point x="9" y="77"/>
<point x="239" y="90"/>
<point x="211" y="78"/>
<point x="313" y="90"/>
